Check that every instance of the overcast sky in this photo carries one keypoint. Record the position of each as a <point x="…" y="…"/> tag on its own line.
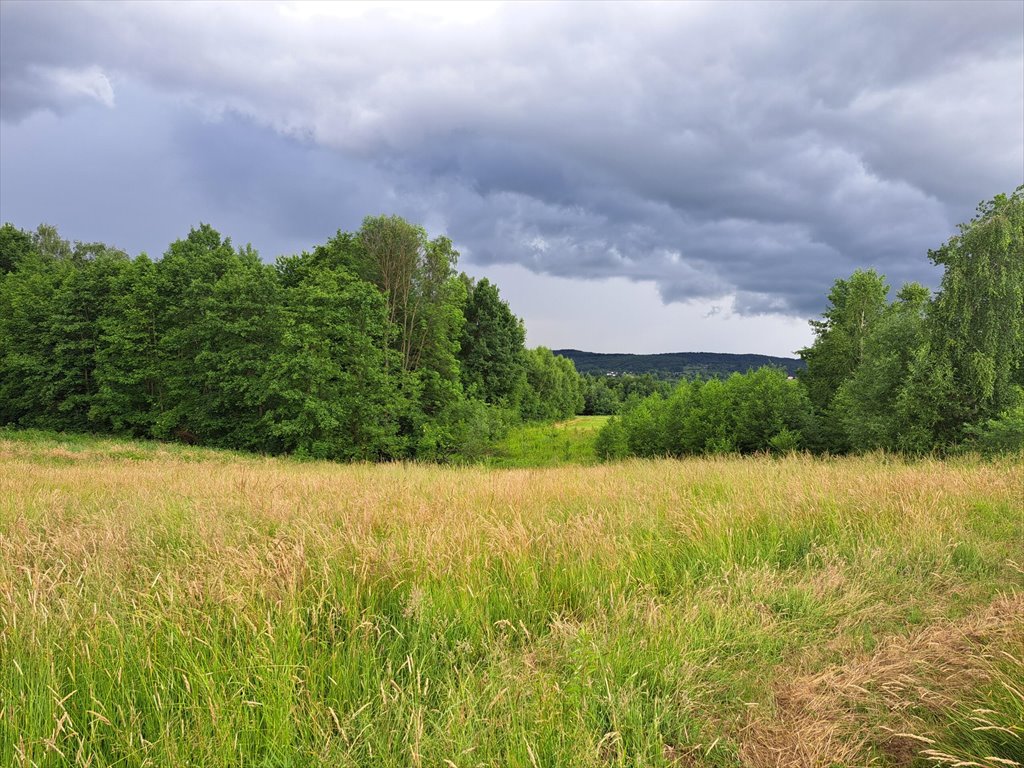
<point x="662" y="177"/>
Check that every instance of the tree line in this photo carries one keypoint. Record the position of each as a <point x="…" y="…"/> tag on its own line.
<point x="672" y="366"/>
<point x="370" y="346"/>
<point x="915" y="374"/>
<point x="373" y="347"/>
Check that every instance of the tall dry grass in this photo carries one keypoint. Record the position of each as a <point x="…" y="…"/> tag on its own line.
<point x="165" y="606"/>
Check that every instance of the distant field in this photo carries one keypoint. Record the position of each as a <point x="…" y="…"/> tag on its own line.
<point x="169" y="606"/>
<point x="550" y="445"/>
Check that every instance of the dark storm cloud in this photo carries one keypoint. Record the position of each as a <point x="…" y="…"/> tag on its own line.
<point x="746" y="151"/>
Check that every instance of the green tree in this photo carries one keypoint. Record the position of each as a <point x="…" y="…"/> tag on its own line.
<point x="708" y="425"/>
<point x="333" y="382"/>
<point x="464" y="431"/>
<point x="47" y="242"/>
<point x="51" y="307"/>
<point x="599" y="399"/>
<point x="186" y="279"/>
<point x="128" y="384"/>
<point x="436" y="342"/>
<point x="82" y="299"/>
<point x="1003" y="434"/>
<point x="425" y="300"/>
<point x="644" y="428"/>
<point x="26" y="354"/>
<point x="236" y="330"/>
<point x="397" y="261"/>
<point x="492" y="347"/>
<point x="768" y="404"/>
<point x="868" y="404"/>
<point x="360" y="349"/>
<point x="977" y="320"/>
<point x="759" y="411"/>
<point x="14" y="246"/>
<point x="554" y="389"/>
<point x="611" y="442"/>
<point x="854" y="306"/>
<point x="345" y="251"/>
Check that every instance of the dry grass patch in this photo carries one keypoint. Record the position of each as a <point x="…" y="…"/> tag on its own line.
<point x="874" y="709"/>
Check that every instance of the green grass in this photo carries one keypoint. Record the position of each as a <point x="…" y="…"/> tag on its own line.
<point x="549" y="445"/>
<point x="164" y="606"/>
<point x="65" y="447"/>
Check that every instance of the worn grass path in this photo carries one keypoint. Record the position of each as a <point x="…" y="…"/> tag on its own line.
<point x="167" y="606"/>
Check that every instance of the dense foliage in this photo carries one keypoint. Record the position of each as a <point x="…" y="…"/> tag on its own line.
<point x="936" y="373"/>
<point x="917" y="374"/>
<point x="746" y="413"/>
<point x="372" y="346"/>
<point x="369" y="347"/>
<point x="605" y="395"/>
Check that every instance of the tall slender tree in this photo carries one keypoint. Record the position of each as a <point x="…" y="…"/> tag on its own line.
<point x="186" y="276"/>
<point x="492" y="347"/>
<point x="854" y="306"/>
<point x="868" y="405"/>
<point x="128" y="383"/>
<point x="977" y="320"/>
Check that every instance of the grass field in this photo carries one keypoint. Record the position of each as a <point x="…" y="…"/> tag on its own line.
<point x="549" y="445"/>
<point x="169" y="606"/>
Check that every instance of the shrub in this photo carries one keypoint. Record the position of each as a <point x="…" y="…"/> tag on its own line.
<point x="611" y="441"/>
<point x="1003" y="434"/>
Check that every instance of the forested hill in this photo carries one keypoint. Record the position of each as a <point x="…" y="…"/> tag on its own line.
<point x="676" y="364"/>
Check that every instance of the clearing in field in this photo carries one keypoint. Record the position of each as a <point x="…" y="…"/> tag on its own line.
<point x="168" y="606"/>
<point x="563" y="443"/>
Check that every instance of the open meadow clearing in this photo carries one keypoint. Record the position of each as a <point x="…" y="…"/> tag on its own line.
<point x="511" y="384"/>
<point x="169" y="606"/>
<point x="549" y="445"/>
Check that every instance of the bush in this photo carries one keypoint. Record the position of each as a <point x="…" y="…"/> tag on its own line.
<point x="463" y="432"/>
<point x="611" y="441"/>
<point x="746" y="413"/>
<point x="786" y="441"/>
<point x="1003" y="434"/>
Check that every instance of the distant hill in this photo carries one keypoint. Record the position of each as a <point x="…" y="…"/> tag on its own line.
<point x="676" y="364"/>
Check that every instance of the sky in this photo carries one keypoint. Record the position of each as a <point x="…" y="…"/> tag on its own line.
<point x="634" y="177"/>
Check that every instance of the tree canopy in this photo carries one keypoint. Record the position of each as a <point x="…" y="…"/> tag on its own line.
<point x="370" y="346"/>
<point x="916" y="374"/>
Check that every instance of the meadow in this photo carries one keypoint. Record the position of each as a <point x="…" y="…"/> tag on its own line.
<point x="569" y="442"/>
<point x="169" y="606"/>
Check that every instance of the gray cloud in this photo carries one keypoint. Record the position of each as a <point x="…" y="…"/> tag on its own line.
<point x="744" y="152"/>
